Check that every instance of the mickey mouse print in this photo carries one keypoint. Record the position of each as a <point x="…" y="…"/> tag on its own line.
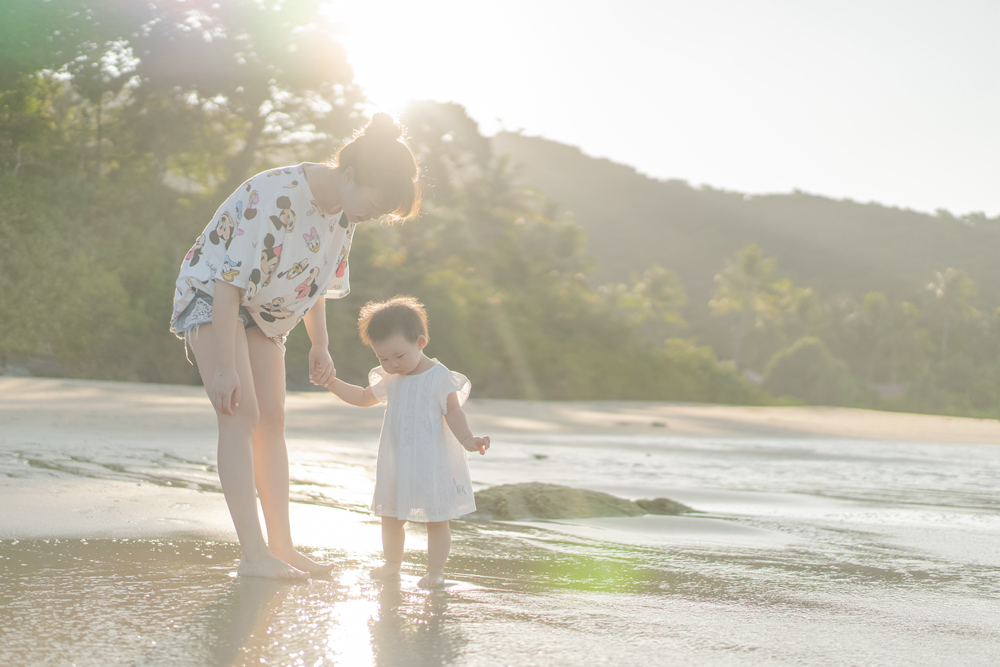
<point x="252" y="242"/>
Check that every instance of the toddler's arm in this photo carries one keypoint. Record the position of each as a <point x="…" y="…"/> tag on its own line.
<point x="352" y="393"/>
<point x="459" y="425"/>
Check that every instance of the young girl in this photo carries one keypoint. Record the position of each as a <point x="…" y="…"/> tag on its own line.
<point x="265" y="262"/>
<point x="422" y="473"/>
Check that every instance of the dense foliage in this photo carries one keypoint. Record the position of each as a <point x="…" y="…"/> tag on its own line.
<point x="122" y="125"/>
<point x="908" y="301"/>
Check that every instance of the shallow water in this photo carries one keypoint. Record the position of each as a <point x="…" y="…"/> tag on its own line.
<point x="804" y="552"/>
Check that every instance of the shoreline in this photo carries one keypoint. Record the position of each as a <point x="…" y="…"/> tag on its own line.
<point x="126" y="406"/>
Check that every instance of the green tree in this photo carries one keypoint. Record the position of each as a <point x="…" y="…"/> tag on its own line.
<point x="868" y="327"/>
<point x="808" y="371"/>
<point x="651" y="301"/>
<point x="904" y="337"/>
<point x="951" y="291"/>
<point x="745" y="287"/>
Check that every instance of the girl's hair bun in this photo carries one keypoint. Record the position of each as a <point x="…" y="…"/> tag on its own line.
<point x="382" y="126"/>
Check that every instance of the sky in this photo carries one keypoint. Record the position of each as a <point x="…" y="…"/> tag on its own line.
<point x="896" y="102"/>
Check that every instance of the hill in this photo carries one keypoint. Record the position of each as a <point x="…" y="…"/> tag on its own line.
<point x="833" y="246"/>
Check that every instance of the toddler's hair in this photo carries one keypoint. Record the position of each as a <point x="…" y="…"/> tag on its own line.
<point x="380" y="320"/>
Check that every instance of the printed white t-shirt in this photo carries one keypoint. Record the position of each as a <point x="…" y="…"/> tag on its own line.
<point x="271" y="240"/>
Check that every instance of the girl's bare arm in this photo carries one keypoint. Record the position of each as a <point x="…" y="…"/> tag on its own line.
<point x="321" y="368"/>
<point x="459" y="425"/>
<point x="225" y="392"/>
<point x="352" y="393"/>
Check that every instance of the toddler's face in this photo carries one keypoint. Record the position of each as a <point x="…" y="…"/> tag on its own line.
<point x="398" y="355"/>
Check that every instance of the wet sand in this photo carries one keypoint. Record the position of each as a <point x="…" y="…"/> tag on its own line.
<point x="825" y="536"/>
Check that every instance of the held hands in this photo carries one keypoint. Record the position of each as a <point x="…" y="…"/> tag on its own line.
<point x="321" y="369"/>
<point x="225" y="391"/>
<point x="477" y="444"/>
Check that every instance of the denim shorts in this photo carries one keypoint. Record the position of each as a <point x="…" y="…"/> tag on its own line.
<point x="199" y="312"/>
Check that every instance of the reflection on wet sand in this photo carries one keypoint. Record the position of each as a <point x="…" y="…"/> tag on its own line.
<point x="520" y="594"/>
<point x="414" y="630"/>
<point x="147" y="603"/>
<point x="227" y="631"/>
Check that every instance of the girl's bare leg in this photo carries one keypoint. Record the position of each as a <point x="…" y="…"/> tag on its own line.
<point x="235" y="459"/>
<point x="438" y="548"/>
<point x="270" y="455"/>
<point x="393" y="539"/>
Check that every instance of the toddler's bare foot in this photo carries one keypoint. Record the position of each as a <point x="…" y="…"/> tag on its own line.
<point x="432" y="579"/>
<point x="269" y="567"/>
<point x="304" y="563"/>
<point x="387" y="570"/>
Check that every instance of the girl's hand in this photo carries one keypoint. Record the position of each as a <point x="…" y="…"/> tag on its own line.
<point x="321" y="368"/>
<point x="225" y="391"/>
<point x="476" y="444"/>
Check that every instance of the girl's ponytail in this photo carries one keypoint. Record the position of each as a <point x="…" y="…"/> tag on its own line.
<point x="381" y="160"/>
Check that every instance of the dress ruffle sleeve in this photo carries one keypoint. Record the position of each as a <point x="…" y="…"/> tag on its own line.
<point x="453" y="382"/>
<point x="377" y="381"/>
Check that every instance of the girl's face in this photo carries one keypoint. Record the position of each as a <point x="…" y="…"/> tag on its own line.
<point x="360" y="203"/>
<point x="398" y="355"/>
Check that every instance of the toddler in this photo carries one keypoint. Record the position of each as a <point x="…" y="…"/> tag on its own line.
<point x="422" y="473"/>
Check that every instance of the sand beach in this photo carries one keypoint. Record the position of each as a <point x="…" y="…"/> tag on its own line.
<point x="822" y="536"/>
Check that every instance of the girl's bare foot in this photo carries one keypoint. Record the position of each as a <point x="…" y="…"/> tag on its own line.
<point x="269" y="567"/>
<point x="432" y="579"/>
<point x="387" y="570"/>
<point x="304" y="563"/>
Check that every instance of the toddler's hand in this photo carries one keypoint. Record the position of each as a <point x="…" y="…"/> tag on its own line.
<point x="321" y="369"/>
<point x="477" y="444"/>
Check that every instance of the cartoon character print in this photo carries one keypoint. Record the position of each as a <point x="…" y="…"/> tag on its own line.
<point x="342" y="260"/>
<point x="316" y="209"/>
<point x="312" y="240"/>
<point x="224" y="230"/>
<point x="229" y="271"/>
<point x="194" y="254"/>
<point x="297" y="269"/>
<point x="339" y="220"/>
<point x="253" y="287"/>
<point x="275" y="310"/>
<point x="252" y="201"/>
<point x="308" y="287"/>
<point x="291" y="185"/>
<point x="286" y="218"/>
<point x="269" y="258"/>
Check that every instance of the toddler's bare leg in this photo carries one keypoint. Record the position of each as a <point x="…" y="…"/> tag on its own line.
<point x="393" y="540"/>
<point x="438" y="548"/>
<point x="235" y="459"/>
<point x="270" y="453"/>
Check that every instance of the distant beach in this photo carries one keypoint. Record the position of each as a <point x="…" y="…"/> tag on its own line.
<point x="821" y="536"/>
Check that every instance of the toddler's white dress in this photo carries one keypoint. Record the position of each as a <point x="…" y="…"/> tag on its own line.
<point x="423" y="473"/>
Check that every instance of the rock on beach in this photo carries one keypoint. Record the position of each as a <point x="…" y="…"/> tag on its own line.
<point x="534" y="500"/>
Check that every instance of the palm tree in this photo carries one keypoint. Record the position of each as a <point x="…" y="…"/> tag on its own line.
<point x="745" y="287"/>
<point x="952" y="290"/>
<point x="869" y="325"/>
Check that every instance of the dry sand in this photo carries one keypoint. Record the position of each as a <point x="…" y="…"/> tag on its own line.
<point x="117" y="406"/>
